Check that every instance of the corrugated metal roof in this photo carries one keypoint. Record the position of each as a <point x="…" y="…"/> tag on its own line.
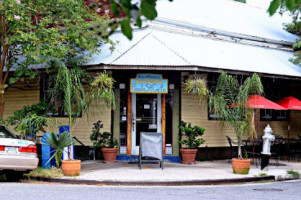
<point x="227" y="15"/>
<point x="165" y="48"/>
<point x="167" y="44"/>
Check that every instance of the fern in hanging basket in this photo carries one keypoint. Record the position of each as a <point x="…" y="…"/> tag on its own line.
<point x="197" y="87"/>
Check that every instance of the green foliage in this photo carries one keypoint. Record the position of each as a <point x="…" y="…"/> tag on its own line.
<point x="245" y="154"/>
<point x="134" y="12"/>
<point x="31" y="125"/>
<point x="241" y="1"/>
<point x="294" y="27"/>
<point x="262" y="174"/>
<point x="104" y="139"/>
<point x="126" y="28"/>
<point x="46" y="30"/>
<point x="229" y="92"/>
<point x="31" y="119"/>
<point x="191" y="134"/>
<point x="59" y="143"/>
<point x="274" y="5"/>
<point x="68" y="90"/>
<point x="102" y="89"/>
<point x="294" y="173"/>
<point x="148" y="9"/>
<point x="45" y="173"/>
<point x="197" y="87"/>
<point x="40" y="109"/>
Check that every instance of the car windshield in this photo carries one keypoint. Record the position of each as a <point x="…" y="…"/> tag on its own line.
<point x="5" y="133"/>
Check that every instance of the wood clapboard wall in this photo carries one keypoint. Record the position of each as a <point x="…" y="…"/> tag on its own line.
<point x="197" y="114"/>
<point x="16" y="98"/>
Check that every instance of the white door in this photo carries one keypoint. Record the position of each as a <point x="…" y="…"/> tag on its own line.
<point x="146" y="117"/>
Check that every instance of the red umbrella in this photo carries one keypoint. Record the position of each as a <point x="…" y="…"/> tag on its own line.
<point x="290" y="103"/>
<point x="259" y="102"/>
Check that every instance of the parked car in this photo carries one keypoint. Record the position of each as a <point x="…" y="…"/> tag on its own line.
<point x="16" y="156"/>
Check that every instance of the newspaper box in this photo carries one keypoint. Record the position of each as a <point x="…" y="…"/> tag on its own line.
<point x="151" y="148"/>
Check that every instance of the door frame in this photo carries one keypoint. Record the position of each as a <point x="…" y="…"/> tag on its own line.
<point x="134" y="147"/>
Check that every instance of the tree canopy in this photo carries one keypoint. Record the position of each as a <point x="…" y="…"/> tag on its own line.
<point x="292" y="6"/>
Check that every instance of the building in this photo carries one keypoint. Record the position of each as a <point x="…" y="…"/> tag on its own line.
<point x="198" y="39"/>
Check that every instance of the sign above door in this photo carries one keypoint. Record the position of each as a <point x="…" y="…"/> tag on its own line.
<point x="149" y="83"/>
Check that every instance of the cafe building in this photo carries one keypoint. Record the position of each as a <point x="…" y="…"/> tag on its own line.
<point x="195" y="41"/>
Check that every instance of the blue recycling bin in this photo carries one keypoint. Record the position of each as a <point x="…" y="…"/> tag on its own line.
<point x="47" y="153"/>
<point x="66" y="154"/>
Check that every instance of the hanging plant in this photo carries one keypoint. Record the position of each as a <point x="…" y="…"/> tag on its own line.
<point x="197" y="87"/>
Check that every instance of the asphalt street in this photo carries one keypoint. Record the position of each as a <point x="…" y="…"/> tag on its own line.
<point x="28" y="191"/>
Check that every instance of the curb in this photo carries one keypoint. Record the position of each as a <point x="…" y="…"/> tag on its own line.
<point x="155" y="183"/>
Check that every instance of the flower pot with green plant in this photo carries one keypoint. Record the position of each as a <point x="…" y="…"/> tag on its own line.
<point x="109" y="146"/>
<point x="190" y="137"/>
<point x="229" y="102"/>
<point x="59" y="143"/>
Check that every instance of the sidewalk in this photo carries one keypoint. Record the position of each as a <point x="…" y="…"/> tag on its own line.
<point x="208" y="172"/>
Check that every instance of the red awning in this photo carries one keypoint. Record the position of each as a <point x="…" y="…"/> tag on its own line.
<point x="290" y="103"/>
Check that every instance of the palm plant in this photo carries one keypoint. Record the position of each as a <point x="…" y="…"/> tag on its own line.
<point x="59" y="143"/>
<point x="229" y="102"/>
<point x="68" y="91"/>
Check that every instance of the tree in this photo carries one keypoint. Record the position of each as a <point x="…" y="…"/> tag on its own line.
<point x="229" y="101"/>
<point x="39" y="31"/>
<point x="294" y="7"/>
<point x="36" y="32"/>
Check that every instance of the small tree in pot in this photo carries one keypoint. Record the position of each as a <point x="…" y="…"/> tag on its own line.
<point x="189" y="136"/>
<point x="109" y="146"/>
<point x="229" y="101"/>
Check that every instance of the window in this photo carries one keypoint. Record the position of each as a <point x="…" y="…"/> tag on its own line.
<point x="45" y="89"/>
<point x="211" y="82"/>
<point x="274" y="90"/>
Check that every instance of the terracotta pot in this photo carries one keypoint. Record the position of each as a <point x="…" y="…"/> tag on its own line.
<point x="188" y="156"/>
<point x="109" y="154"/>
<point x="71" y="167"/>
<point x="240" y="166"/>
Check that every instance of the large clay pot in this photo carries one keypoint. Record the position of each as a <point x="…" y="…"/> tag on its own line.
<point x="109" y="154"/>
<point x="240" y="166"/>
<point x="188" y="156"/>
<point x="71" y="167"/>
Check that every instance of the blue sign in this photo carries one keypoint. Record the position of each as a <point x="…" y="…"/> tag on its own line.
<point x="149" y="83"/>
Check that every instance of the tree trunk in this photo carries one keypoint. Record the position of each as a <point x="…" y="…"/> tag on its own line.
<point x="239" y="149"/>
<point x="1" y="103"/>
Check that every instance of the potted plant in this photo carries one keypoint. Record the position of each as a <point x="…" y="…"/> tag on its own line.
<point x="229" y="102"/>
<point x="68" y="93"/>
<point x="189" y="136"/>
<point x="59" y="142"/>
<point x="109" y="146"/>
<point x="196" y="86"/>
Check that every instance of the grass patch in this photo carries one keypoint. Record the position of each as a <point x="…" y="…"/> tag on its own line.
<point x="294" y="173"/>
<point x="262" y="174"/>
<point x="46" y="173"/>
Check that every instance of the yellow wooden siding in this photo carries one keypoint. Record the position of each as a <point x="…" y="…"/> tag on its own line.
<point x="15" y="99"/>
<point x="195" y="112"/>
<point x="82" y="127"/>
